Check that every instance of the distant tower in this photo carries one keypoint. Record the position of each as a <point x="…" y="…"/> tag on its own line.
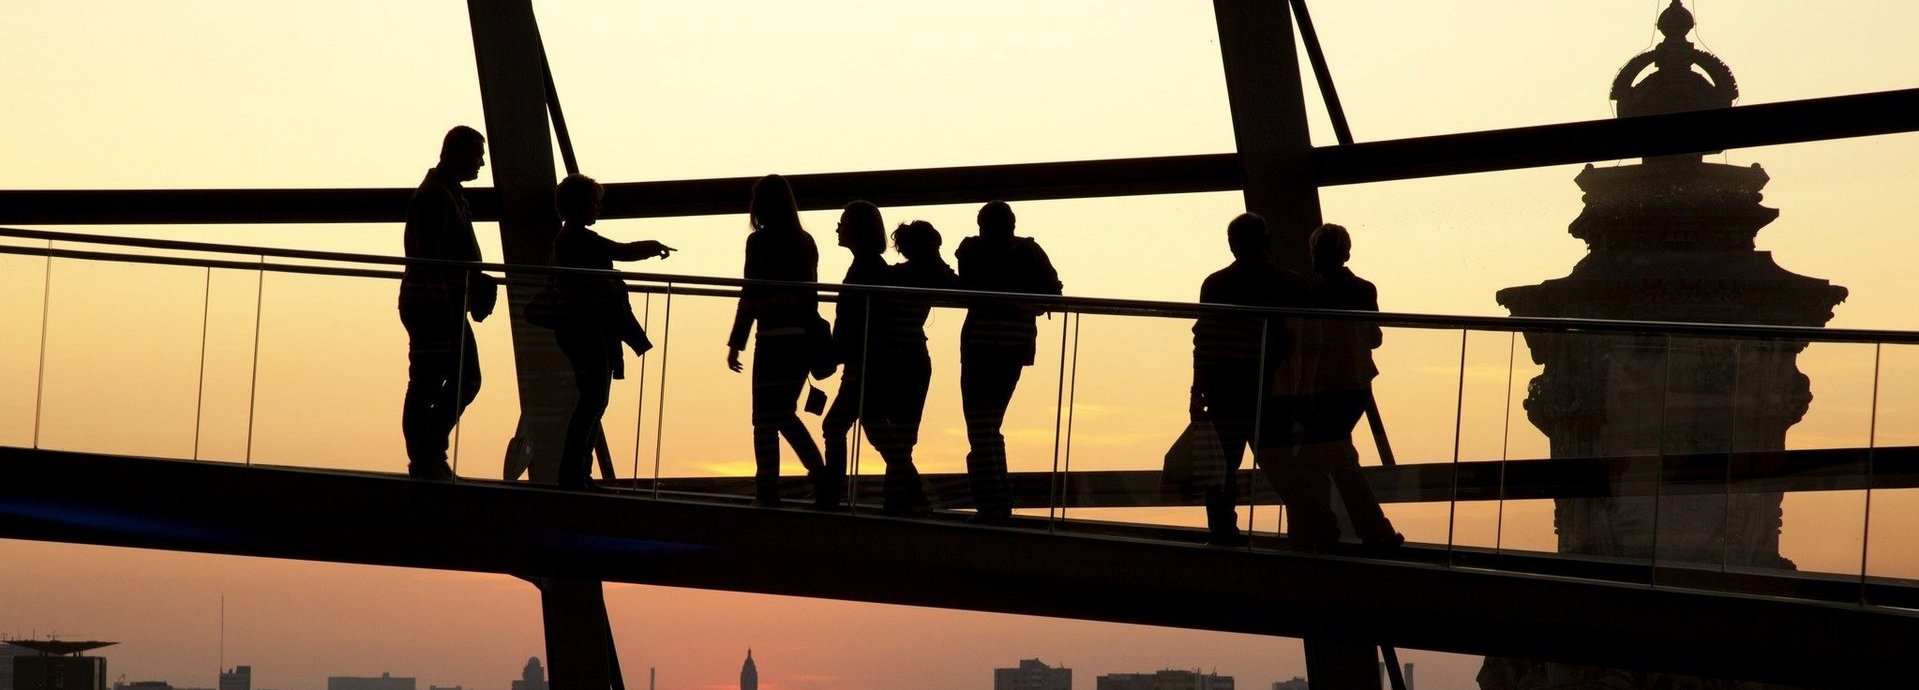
<point x="532" y="677"/>
<point x="237" y="678"/>
<point x="749" y="674"/>
<point x="1670" y="239"/>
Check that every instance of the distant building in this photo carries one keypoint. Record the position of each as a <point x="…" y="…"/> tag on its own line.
<point x="445" y="687"/>
<point x="749" y="673"/>
<point x="1033" y="674"/>
<point x="532" y="677"/>
<point x="1297" y="683"/>
<point x="386" y="681"/>
<point x="1169" y="679"/>
<point x="58" y="665"/>
<point x="7" y="653"/>
<point x="237" y="678"/>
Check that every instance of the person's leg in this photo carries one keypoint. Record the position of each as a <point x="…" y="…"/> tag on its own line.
<point x="588" y="352"/>
<point x="1232" y="401"/>
<point x="901" y="398"/>
<point x="1297" y="475"/>
<point x="834" y="430"/>
<point x="987" y="381"/>
<point x="1329" y="432"/>
<point x="779" y="372"/>
<point x="426" y="411"/>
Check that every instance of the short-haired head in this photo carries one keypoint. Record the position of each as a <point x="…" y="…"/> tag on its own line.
<point x="1331" y="245"/>
<point x="996" y="219"/>
<point x="578" y="198"/>
<point x="462" y="153"/>
<point x="917" y="240"/>
<point x="773" y="206"/>
<point x="1246" y="236"/>
<point x="861" y="228"/>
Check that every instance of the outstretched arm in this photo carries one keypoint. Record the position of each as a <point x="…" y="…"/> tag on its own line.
<point x="639" y="251"/>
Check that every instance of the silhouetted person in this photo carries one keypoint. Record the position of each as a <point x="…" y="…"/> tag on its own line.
<point x="1338" y="374"/>
<point x="783" y="348"/>
<point x="996" y="343"/>
<point x="596" y="317"/>
<point x="899" y="367"/>
<point x="443" y="365"/>
<point x="1235" y="360"/>
<point x="862" y="232"/>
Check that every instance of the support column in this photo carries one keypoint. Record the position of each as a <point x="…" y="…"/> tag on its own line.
<point x="506" y="49"/>
<point x="1268" y="101"/>
<point x="1269" y="122"/>
<point x="579" y="653"/>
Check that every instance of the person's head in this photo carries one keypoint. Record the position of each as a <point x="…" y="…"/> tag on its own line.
<point x="1331" y="246"/>
<point x="773" y="206"/>
<point x="462" y="153"/>
<point x="578" y="199"/>
<point x="917" y="240"/>
<point x="861" y="228"/>
<point x="1247" y="237"/>
<point x="996" y="219"/>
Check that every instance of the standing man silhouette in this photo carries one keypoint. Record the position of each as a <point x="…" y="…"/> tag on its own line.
<point x="996" y="343"/>
<point x="443" y="367"/>
<point x="1235" y="358"/>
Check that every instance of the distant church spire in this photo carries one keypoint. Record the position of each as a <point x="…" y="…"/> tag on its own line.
<point x="749" y="673"/>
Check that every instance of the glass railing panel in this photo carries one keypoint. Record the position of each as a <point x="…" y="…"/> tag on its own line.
<point x="1417" y="393"/>
<point x="331" y="374"/>
<point x="1736" y="509"/>
<point x="123" y="351"/>
<point x="707" y="428"/>
<point x="1892" y="551"/>
<point x="22" y="297"/>
<point x="1525" y="518"/>
<point x="1129" y="394"/>
<point x="1488" y="396"/>
<point x="227" y="393"/>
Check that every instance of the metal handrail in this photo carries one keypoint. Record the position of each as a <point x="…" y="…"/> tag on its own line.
<point x="1088" y="305"/>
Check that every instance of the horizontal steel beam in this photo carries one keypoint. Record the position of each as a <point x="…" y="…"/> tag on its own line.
<point x="1818" y="119"/>
<point x="518" y="529"/>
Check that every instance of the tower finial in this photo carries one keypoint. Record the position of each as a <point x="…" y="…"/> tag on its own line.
<point x="1676" y="21"/>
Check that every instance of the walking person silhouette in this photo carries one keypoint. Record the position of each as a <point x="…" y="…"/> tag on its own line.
<point x="996" y="343"/>
<point x="785" y="345"/>
<point x="595" y="317"/>
<point x="443" y="363"/>
<point x="1235" y="357"/>
<point x="1337" y="376"/>
<point x="863" y="233"/>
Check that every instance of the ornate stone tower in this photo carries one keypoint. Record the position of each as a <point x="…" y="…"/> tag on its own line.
<point x="1671" y="239"/>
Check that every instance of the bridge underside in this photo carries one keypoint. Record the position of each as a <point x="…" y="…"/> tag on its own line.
<point x="523" y="530"/>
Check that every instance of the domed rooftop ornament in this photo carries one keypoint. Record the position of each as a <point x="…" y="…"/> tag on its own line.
<point x="1673" y="85"/>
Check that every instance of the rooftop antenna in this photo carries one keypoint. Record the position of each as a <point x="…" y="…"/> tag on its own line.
<point x="223" y="637"/>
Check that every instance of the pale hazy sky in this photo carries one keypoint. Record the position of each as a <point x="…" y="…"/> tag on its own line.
<point x="131" y="94"/>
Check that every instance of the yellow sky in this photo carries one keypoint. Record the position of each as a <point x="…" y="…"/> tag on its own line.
<point x="127" y="94"/>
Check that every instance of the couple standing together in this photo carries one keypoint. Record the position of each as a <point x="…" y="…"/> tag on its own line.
<point x="880" y="339"/>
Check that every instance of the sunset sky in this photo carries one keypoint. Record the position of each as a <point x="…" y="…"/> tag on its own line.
<point x="113" y="94"/>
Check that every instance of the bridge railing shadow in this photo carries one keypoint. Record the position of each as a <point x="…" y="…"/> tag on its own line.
<point x="1760" y="459"/>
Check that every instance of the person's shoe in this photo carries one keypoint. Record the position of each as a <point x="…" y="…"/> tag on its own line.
<point x="584" y="485"/>
<point x="764" y="502"/>
<point x="988" y="516"/>
<point x="433" y="471"/>
<point x="1227" y="539"/>
<point x="1390" y="541"/>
